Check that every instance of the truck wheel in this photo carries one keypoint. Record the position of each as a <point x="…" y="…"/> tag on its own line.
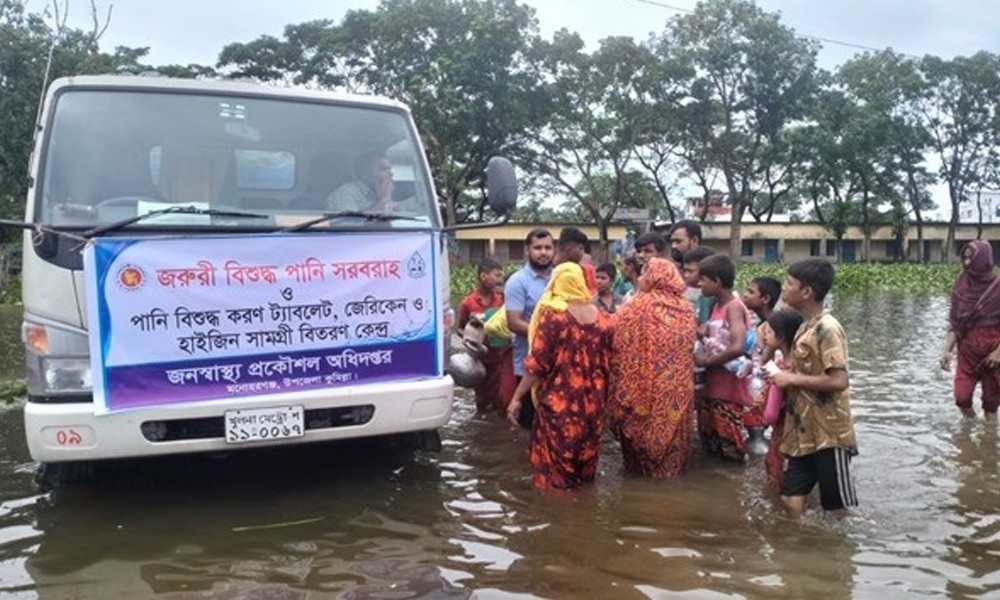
<point x="50" y="476"/>
<point x="427" y="441"/>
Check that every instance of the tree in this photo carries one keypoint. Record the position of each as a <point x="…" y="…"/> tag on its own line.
<point x="960" y="110"/>
<point x="749" y="78"/>
<point x="28" y="39"/>
<point x="887" y="139"/>
<point x="458" y="64"/>
<point x="590" y="139"/>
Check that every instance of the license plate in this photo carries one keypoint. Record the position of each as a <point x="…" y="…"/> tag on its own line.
<point x="262" y="424"/>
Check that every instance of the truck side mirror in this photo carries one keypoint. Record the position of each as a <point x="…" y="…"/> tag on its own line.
<point x="501" y="185"/>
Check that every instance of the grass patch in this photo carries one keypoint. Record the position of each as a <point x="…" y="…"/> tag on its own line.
<point x="12" y="390"/>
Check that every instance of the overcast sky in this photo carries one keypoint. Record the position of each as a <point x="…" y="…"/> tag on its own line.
<point x="193" y="31"/>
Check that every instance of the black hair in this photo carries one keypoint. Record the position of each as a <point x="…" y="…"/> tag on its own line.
<point x="815" y="273"/>
<point x="608" y="269"/>
<point x="572" y="235"/>
<point x="720" y="268"/>
<point x="651" y="237"/>
<point x="785" y="323"/>
<point x="488" y="264"/>
<point x="633" y="261"/>
<point x="696" y="254"/>
<point x="770" y="287"/>
<point x="535" y="234"/>
<point x="363" y="167"/>
<point x="692" y="228"/>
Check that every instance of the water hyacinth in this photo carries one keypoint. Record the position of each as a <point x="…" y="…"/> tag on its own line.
<point x="857" y="277"/>
<point x="899" y="277"/>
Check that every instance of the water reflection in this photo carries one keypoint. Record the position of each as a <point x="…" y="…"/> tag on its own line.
<point x="354" y="521"/>
<point x="974" y="546"/>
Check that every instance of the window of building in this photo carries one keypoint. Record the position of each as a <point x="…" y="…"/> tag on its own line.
<point x="814" y="248"/>
<point x="747" y="248"/>
<point x="893" y="249"/>
<point x="831" y="247"/>
<point x="515" y="250"/>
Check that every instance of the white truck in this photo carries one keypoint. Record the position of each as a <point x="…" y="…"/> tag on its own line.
<point x="190" y="283"/>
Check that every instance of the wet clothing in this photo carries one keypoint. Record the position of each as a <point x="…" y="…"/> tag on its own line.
<point x="497" y="388"/>
<point x="652" y="387"/>
<point x="815" y="420"/>
<point x="725" y="397"/>
<point x="974" y="318"/>
<point x="973" y="348"/>
<point x="831" y="469"/>
<point x="572" y="362"/>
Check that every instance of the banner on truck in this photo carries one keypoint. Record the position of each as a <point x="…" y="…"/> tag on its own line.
<point x="199" y="318"/>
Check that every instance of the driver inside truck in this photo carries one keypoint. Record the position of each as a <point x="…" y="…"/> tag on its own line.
<point x="192" y="175"/>
<point x="371" y="190"/>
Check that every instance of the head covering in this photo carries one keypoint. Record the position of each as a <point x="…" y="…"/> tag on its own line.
<point x="973" y="282"/>
<point x="664" y="278"/>
<point x="665" y="299"/>
<point x="652" y="375"/>
<point x="566" y="286"/>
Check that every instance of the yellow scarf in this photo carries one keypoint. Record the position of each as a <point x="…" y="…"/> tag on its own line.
<point x="566" y="286"/>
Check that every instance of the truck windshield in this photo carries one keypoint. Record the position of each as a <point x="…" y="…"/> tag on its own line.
<point x="113" y="155"/>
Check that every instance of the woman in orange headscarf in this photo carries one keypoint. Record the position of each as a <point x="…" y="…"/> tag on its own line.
<point x="566" y="372"/>
<point x="652" y="376"/>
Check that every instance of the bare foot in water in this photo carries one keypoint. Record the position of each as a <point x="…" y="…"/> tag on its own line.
<point x="968" y="413"/>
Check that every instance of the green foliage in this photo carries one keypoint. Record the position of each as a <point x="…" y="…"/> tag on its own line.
<point x="10" y="391"/>
<point x="903" y="278"/>
<point x="25" y="41"/>
<point x="750" y="79"/>
<point x="465" y="279"/>
<point x="908" y="278"/>
<point x="11" y="291"/>
<point x="458" y="64"/>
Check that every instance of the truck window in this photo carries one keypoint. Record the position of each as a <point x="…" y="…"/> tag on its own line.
<point x="112" y="154"/>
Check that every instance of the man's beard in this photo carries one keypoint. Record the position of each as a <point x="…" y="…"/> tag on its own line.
<point x="537" y="266"/>
<point x="677" y="255"/>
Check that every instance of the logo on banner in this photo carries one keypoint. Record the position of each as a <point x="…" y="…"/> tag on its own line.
<point x="130" y="278"/>
<point x="416" y="266"/>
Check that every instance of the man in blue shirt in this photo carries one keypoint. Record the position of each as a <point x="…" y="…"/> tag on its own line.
<point x="521" y="294"/>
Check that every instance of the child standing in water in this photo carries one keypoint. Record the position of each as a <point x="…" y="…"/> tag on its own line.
<point x="495" y="391"/>
<point x="720" y="410"/>
<point x="819" y="438"/>
<point x="760" y="298"/>
<point x="778" y="333"/>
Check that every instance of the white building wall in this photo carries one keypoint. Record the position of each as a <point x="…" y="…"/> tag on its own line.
<point x="968" y="211"/>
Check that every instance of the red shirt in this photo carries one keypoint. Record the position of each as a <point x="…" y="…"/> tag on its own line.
<point x="473" y="305"/>
<point x="590" y="274"/>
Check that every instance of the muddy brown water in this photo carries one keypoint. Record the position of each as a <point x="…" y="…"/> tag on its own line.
<point x="358" y="521"/>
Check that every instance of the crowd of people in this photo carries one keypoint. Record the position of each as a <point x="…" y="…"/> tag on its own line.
<point x="665" y="354"/>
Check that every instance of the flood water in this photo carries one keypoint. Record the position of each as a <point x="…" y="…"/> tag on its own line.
<point x="352" y="521"/>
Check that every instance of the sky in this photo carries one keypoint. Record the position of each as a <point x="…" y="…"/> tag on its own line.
<point x="194" y="31"/>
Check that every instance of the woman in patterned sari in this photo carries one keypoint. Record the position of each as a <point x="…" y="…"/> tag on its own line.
<point x="652" y="374"/>
<point x="566" y="372"/>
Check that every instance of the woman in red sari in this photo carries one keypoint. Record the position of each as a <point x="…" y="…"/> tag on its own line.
<point x="974" y="326"/>
<point x="650" y="406"/>
<point x="566" y="372"/>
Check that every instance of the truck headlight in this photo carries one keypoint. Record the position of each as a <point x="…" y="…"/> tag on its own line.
<point x="57" y="357"/>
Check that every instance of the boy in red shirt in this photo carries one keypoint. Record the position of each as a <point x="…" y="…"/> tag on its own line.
<point x="498" y="387"/>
